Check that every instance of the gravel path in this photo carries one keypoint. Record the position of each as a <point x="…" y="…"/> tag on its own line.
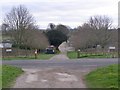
<point x="59" y="57"/>
<point x="51" y="78"/>
<point x="62" y="55"/>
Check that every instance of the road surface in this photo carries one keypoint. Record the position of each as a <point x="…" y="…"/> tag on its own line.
<point x="73" y="63"/>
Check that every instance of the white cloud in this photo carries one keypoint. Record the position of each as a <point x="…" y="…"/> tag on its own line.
<point x="70" y="12"/>
<point x="119" y="15"/>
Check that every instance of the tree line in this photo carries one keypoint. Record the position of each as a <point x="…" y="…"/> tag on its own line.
<point x="20" y="25"/>
<point x="97" y="31"/>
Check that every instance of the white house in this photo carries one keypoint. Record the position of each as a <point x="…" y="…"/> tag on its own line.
<point x="111" y="49"/>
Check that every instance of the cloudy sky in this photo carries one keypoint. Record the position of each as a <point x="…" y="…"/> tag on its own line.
<point x="68" y="12"/>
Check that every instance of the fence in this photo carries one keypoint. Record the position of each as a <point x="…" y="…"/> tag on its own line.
<point x="16" y="52"/>
<point x="95" y="53"/>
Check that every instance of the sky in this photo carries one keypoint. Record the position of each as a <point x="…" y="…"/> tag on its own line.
<point x="72" y="13"/>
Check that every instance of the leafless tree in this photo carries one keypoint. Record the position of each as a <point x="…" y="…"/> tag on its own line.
<point x="101" y="25"/>
<point x="35" y="39"/>
<point x="23" y="30"/>
<point x="19" y="19"/>
<point x="100" y="22"/>
<point x="95" y="32"/>
<point x="82" y="39"/>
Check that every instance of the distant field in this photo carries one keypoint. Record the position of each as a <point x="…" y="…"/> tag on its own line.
<point x="0" y="77"/>
<point x="106" y="77"/>
<point x="74" y="55"/>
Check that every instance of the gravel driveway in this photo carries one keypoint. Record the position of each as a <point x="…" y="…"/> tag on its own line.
<point x="51" y="78"/>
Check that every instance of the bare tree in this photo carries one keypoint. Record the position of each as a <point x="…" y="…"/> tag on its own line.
<point x="101" y="26"/>
<point x="23" y="30"/>
<point x="19" y="19"/>
<point x="95" y="32"/>
<point x="35" y="39"/>
<point x="100" y="22"/>
<point x="82" y="39"/>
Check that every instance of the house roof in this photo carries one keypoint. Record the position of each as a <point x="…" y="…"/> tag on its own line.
<point x="111" y="47"/>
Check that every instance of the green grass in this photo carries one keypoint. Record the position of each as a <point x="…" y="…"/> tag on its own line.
<point x="39" y="56"/>
<point x="0" y="76"/>
<point x="45" y="56"/>
<point x="73" y="55"/>
<point x="106" y="77"/>
<point x="9" y="74"/>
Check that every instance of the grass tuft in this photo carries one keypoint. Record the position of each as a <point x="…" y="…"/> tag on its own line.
<point x="73" y="55"/>
<point x="9" y="74"/>
<point x="106" y="77"/>
<point x="41" y="56"/>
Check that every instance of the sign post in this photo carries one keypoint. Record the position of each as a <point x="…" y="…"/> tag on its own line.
<point x="78" y="53"/>
<point x="36" y="54"/>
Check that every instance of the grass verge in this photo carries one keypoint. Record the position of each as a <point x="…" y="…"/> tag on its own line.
<point x="39" y="56"/>
<point x="0" y="77"/>
<point x="106" y="77"/>
<point x="73" y="55"/>
<point x="9" y="74"/>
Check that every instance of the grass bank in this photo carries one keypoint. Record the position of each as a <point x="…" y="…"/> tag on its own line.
<point x="9" y="74"/>
<point x="0" y="77"/>
<point x="106" y="77"/>
<point x="41" y="56"/>
<point x="74" y="55"/>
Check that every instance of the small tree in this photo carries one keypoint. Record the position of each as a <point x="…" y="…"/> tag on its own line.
<point x="34" y="39"/>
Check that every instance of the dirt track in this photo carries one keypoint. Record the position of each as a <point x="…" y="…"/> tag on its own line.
<point x="51" y="78"/>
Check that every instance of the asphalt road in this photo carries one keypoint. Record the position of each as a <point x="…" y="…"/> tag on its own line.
<point x="73" y="63"/>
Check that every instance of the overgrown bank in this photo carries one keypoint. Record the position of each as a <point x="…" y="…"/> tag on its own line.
<point x="106" y="77"/>
<point x="9" y="74"/>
